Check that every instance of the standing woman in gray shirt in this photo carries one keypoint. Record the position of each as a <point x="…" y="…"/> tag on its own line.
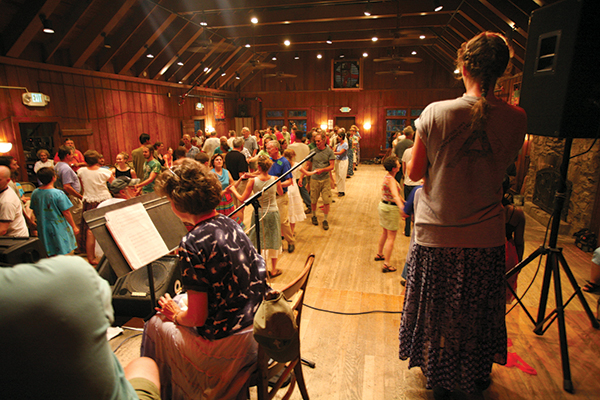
<point x="453" y="321"/>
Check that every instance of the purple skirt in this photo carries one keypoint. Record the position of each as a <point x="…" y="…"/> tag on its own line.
<point x="453" y="323"/>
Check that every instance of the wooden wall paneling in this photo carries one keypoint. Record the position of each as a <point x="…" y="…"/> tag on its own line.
<point x="109" y="110"/>
<point x="118" y="107"/>
<point x="91" y="110"/>
<point x="149" y="103"/>
<point x="132" y="140"/>
<point x="163" y="116"/>
<point x="100" y="111"/>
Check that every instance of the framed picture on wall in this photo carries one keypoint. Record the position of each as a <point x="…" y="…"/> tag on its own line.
<point x="346" y="74"/>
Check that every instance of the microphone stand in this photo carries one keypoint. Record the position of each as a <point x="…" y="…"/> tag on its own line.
<point x="253" y="200"/>
<point x="255" y="203"/>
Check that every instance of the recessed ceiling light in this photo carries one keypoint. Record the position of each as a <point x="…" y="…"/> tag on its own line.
<point x="319" y="56"/>
<point x="414" y="53"/>
<point x="365" y="55"/>
<point x="422" y="37"/>
<point x="374" y="38"/>
<point x="296" y="56"/>
<point x="247" y="45"/>
<point x="329" y="41"/>
<point x="254" y="20"/>
<point x="287" y="42"/>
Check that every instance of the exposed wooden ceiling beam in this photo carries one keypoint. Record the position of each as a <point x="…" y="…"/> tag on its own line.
<point x="235" y="67"/>
<point x="91" y="37"/>
<point x="198" y="65"/>
<point x="147" y="42"/>
<point x="27" y="25"/>
<point x="140" y="12"/>
<point x="67" y="25"/>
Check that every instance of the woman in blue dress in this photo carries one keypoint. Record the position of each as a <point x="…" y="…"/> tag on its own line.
<point x="55" y="224"/>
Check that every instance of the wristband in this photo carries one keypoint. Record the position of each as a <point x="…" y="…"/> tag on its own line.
<point x="175" y="318"/>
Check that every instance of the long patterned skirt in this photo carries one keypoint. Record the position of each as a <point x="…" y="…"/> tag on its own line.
<point x="453" y="320"/>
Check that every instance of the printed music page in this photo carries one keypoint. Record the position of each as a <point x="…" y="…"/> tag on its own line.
<point x="135" y="234"/>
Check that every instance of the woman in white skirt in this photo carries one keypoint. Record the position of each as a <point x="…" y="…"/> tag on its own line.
<point x="295" y="207"/>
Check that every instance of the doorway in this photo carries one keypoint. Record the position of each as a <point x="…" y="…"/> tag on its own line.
<point x="36" y="136"/>
<point x="345" y="122"/>
<point x="199" y="125"/>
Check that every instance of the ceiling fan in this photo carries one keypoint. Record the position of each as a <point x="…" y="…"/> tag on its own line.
<point x="395" y="72"/>
<point x="394" y="58"/>
<point x="280" y="74"/>
<point x="257" y="64"/>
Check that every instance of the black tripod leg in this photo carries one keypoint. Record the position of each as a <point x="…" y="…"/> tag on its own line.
<point x="539" y="329"/>
<point x="577" y="289"/>
<point x="562" y="329"/>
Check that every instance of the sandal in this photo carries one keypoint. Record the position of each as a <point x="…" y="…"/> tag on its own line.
<point x="591" y="287"/>
<point x="387" y="268"/>
<point x="379" y="257"/>
<point x="276" y="273"/>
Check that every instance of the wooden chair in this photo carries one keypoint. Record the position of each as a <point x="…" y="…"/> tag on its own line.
<point x="267" y="368"/>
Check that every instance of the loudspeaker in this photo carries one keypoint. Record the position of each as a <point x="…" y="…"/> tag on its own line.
<point x="561" y="85"/>
<point x="19" y="250"/>
<point x="131" y="292"/>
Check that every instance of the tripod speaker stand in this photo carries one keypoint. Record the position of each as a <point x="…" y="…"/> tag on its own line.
<point x="554" y="261"/>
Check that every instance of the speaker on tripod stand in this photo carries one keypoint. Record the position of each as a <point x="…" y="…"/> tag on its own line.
<point x="561" y="95"/>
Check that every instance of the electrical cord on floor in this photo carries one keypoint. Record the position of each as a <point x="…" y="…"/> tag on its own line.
<point x="125" y="341"/>
<point x="356" y="313"/>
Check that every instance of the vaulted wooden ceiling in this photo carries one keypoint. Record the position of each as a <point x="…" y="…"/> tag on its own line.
<point x="115" y="36"/>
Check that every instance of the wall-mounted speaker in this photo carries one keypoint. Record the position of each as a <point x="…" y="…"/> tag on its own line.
<point x="561" y="85"/>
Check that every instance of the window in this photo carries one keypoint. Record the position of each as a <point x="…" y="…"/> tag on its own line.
<point x="287" y="118"/>
<point x="397" y="119"/>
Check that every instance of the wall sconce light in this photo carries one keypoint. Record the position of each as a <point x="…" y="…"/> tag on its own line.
<point x="367" y="125"/>
<point x="47" y="24"/>
<point x="199" y="106"/>
<point x="209" y="128"/>
<point x="5" y="147"/>
<point x="324" y="127"/>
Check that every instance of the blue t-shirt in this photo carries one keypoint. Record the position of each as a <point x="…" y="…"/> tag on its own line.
<point x="280" y="167"/>
<point x="409" y="204"/>
<point x="217" y="258"/>
<point x="343" y="156"/>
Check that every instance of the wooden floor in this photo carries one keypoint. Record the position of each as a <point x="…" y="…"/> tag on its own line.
<point x="356" y="356"/>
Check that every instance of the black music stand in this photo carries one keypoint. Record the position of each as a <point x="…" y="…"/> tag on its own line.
<point x="169" y="226"/>
<point x="554" y="258"/>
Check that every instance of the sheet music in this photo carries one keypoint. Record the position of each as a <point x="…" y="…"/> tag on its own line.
<point x="135" y="234"/>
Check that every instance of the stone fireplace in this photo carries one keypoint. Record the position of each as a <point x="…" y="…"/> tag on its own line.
<point x="539" y="186"/>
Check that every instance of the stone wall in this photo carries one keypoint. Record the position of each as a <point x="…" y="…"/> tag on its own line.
<point x="584" y="173"/>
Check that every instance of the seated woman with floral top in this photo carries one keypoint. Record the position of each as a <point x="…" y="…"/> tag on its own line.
<point x="205" y="348"/>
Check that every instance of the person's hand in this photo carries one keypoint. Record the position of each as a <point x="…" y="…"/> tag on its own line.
<point x="168" y="307"/>
<point x="299" y="182"/>
<point x="75" y="230"/>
